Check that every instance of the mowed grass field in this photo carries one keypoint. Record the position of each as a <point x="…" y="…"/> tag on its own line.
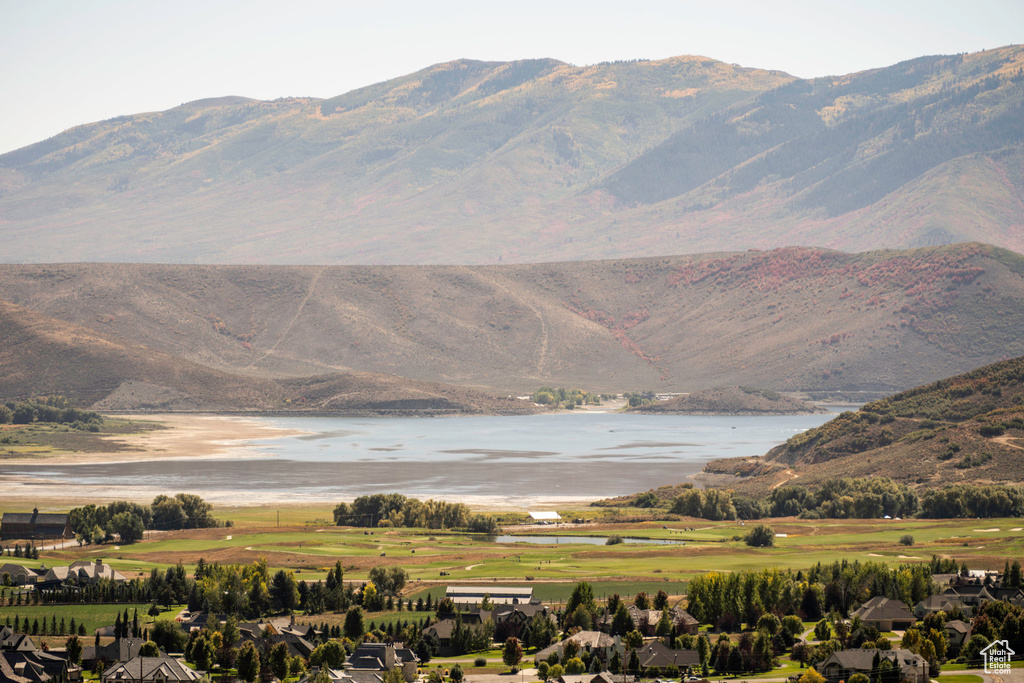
<point x="438" y="558"/>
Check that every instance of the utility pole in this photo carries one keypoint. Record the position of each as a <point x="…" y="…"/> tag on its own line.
<point x="278" y="518"/>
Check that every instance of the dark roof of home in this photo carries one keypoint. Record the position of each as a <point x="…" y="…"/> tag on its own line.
<point x="442" y="629"/>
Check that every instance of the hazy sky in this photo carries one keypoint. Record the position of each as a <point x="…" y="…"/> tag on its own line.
<point x="63" y="63"/>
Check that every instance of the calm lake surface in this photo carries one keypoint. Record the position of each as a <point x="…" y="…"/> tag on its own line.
<point x="502" y="460"/>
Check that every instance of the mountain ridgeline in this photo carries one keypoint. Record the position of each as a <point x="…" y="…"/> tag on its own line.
<point x="536" y="160"/>
<point x="807" y="320"/>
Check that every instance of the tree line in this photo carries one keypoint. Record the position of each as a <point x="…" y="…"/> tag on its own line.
<point x="728" y="599"/>
<point x="849" y="498"/>
<point x="396" y="510"/>
<point x="51" y="409"/>
<point x="128" y="521"/>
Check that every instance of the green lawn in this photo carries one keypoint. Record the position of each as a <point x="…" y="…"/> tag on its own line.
<point x="959" y="678"/>
<point x="93" y="616"/>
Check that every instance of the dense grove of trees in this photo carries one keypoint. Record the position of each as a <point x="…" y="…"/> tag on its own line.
<point x="849" y="498"/>
<point x="396" y="510"/>
<point x="99" y="524"/>
<point x="971" y="500"/>
<point x="727" y="599"/>
<point x="567" y="398"/>
<point x="52" y="409"/>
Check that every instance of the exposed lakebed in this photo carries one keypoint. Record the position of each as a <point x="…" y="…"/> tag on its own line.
<point x="507" y="461"/>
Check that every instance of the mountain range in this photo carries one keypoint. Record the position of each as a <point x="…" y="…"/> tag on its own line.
<point x="806" y="320"/>
<point x="529" y="161"/>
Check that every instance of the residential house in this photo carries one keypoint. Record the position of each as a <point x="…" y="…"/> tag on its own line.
<point x="885" y="614"/>
<point x="603" y="677"/>
<point x="384" y="657"/>
<point x="841" y="665"/>
<point x="270" y="633"/>
<point x="35" y="525"/>
<point x="656" y="653"/>
<point x="939" y="603"/>
<point x="342" y="676"/>
<point x="957" y="633"/>
<point x="81" y="573"/>
<point x="19" y="574"/>
<point x="120" y="650"/>
<point x="597" y="643"/>
<point x="15" y="642"/>
<point x="20" y="658"/>
<point x="646" y="620"/>
<point x="150" y="670"/>
<point x="970" y="595"/>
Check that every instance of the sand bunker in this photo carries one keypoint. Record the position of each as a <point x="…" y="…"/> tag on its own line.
<point x="985" y="531"/>
<point x="875" y="555"/>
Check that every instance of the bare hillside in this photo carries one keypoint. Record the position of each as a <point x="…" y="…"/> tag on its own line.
<point x="42" y="356"/>
<point x="968" y="428"/>
<point x="786" y="320"/>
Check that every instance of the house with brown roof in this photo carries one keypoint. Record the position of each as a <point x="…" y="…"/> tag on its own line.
<point x="35" y="525"/>
<point x="150" y="670"/>
<point x="885" y="614"/>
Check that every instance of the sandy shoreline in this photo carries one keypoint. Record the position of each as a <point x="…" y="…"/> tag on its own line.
<point x="184" y="436"/>
<point x="198" y="436"/>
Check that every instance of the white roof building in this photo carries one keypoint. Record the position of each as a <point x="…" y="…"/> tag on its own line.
<point x="499" y="595"/>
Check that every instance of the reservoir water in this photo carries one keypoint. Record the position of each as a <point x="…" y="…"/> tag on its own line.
<point x="502" y="460"/>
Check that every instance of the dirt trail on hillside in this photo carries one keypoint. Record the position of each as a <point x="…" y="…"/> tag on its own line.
<point x="291" y="323"/>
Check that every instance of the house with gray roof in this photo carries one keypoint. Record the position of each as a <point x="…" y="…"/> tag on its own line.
<point x="656" y="653"/>
<point x="596" y="642"/>
<point x="885" y="614"/>
<point x="150" y="670"/>
<point x="19" y="574"/>
<point x="939" y="603"/>
<point x="841" y="665"/>
<point x="383" y="657"/>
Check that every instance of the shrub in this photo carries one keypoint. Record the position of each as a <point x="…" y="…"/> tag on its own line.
<point x="761" y="536"/>
<point x="480" y="661"/>
<point x="614" y="539"/>
<point x="906" y="539"/>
